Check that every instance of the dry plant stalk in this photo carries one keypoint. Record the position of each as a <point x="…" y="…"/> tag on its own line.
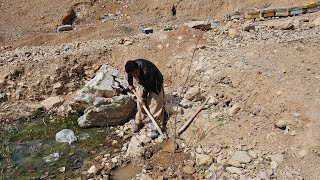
<point x="186" y="125"/>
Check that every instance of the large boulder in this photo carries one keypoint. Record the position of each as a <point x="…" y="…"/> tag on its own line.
<point x="102" y="85"/>
<point x="100" y="101"/>
<point x="282" y="25"/>
<point x="108" y="112"/>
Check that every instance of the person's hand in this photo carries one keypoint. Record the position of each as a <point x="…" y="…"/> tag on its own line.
<point x="130" y="88"/>
<point x="143" y="103"/>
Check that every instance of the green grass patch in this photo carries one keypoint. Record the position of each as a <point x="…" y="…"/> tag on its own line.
<point x="24" y="146"/>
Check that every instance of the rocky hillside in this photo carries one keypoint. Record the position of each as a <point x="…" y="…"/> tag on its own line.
<point x="262" y="77"/>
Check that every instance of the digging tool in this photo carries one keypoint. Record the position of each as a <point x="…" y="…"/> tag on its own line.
<point x="148" y="113"/>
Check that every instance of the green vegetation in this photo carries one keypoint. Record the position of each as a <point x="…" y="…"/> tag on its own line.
<point x="24" y="146"/>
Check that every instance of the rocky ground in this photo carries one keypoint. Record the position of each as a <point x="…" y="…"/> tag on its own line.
<point x="262" y="77"/>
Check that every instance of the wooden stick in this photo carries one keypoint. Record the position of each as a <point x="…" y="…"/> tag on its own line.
<point x="186" y="125"/>
<point x="148" y="112"/>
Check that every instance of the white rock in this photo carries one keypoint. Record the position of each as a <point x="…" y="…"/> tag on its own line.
<point x="234" y="170"/>
<point x="278" y="158"/>
<point x="234" y="109"/>
<point x="248" y="26"/>
<point x="194" y="94"/>
<point x="283" y="25"/>
<point x="52" y="157"/>
<point x="253" y="154"/>
<point x="115" y="159"/>
<point x="52" y="102"/>
<point x="134" y="147"/>
<point x="242" y="157"/>
<point x="203" y="159"/>
<point x="264" y="175"/>
<point x="234" y="163"/>
<point x="66" y="27"/>
<point x="127" y="43"/>
<point x="93" y="170"/>
<point x="273" y="165"/>
<point x="199" y="150"/>
<point x="281" y="124"/>
<point x="233" y="33"/>
<point x="66" y="135"/>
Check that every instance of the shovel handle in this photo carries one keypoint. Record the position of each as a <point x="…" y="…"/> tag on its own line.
<point x="148" y="113"/>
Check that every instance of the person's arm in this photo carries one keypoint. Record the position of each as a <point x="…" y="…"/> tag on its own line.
<point x="130" y="80"/>
<point x="148" y="83"/>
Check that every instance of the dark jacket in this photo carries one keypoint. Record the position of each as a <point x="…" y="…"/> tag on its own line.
<point x="150" y="77"/>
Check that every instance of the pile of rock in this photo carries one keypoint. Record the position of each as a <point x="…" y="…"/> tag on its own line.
<point x="101" y="103"/>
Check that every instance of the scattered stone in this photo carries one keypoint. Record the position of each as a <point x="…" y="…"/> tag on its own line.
<point x="114" y="142"/>
<point x="234" y="109"/>
<point x="66" y="135"/>
<point x="203" y="159"/>
<point x="283" y="25"/>
<point x="127" y="43"/>
<point x="52" y="157"/>
<point x="194" y="93"/>
<point x="94" y="170"/>
<point x="199" y="150"/>
<point x="185" y="103"/>
<point x="62" y="169"/>
<point x="213" y="100"/>
<point x="234" y="163"/>
<point x="264" y="175"/>
<point x="278" y="158"/>
<point x="115" y="159"/>
<point x="281" y="124"/>
<point x="242" y="157"/>
<point x="273" y="165"/>
<point x="202" y="25"/>
<point x="248" y="26"/>
<point x="253" y="154"/>
<point x="234" y="170"/>
<point x="189" y="169"/>
<point x="58" y="88"/>
<point x="135" y="146"/>
<point x="233" y="33"/>
<point x="52" y="102"/>
<point x="66" y="27"/>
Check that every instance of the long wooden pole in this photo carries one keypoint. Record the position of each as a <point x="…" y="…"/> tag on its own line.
<point x="148" y="112"/>
<point x="185" y="126"/>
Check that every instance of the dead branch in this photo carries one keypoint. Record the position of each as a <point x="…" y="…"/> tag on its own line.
<point x="186" y="125"/>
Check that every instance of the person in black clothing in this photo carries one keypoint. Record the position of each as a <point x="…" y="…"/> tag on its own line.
<point x="150" y="87"/>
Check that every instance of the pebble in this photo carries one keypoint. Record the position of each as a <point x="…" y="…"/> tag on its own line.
<point x="242" y="157"/>
<point x="234" y="163"/>
<point x="93" y="170"/>
<point x="273" y="165"/>
<point x="253" y="154"/>
<point x="189" y="169"/>
<point x="281" y="124"/>
<point x="234" y="170"/>
<point x="278" y="158"/>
